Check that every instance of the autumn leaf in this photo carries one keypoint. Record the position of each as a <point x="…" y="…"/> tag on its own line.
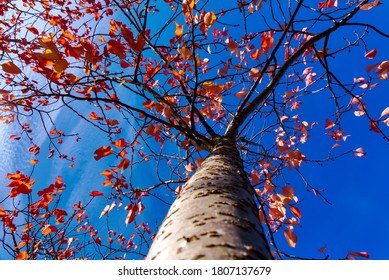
<point x="290" y="237"/>
<point x="360" y="254"/>
<point x="359" y="152"/>
<point x="189" y="168"/>
<point x="120" y="144"/>
<point x="96" y="193"/>
<point x="103" y="152"/>
<point x="374" y="126"/>
<point x="209" y="19"/>
<point x="124" y="163"/>
<point x="21" y="256"/>
<point x="49" y="229"/>
<point x="383" y="69"/>
<point x="132" y="209"/>
<point x="295" y="211"/>
<point x="329" y="124"/>
<point x="116" y="48"/>
<point x="179" y="29"/>
<point x="10" y="68"/>
<point x="371" y="5"/>
<point x="371" y="54"/>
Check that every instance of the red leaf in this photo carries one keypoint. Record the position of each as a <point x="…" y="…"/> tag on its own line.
<point x="97" y="240"/>
<point x="116" y="48"/>
<point x="371" y="54"/>
<point x="360" y="254"/>
<point x="329" y="124"/>
<point x="33" y="30"/>
<point x="132" y="208"/>
<point x="96" y="193"/>
<point x="374" y="126"/>
<point x="103" y="152"/>
<point x="124" y="163"/>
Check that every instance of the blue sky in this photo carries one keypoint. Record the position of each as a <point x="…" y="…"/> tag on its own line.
<point x="356" y="187"/>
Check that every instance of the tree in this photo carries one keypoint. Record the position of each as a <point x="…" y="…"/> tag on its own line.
<point x="205" y="98"/>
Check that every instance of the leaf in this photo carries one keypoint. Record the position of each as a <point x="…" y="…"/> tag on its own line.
<point x="103" y="152"/>
<point x="124" y="163"/>
<point x="49" y="229"/>
<point x="60" y="66"/>
<point x="322" y="249"/>
<point x="241" y="94"/>
<point x="209" y="19"/>
<point x="359" y="152"/>
<point x="374" y="126"/>
<point x="189" y="168"/>
<point x="94" y="117"/>
<point x="120" y="144"/>
<point x="385" y="112"/>
<point x="360" y="254"/>
<point x="329" y="124"/>
<point x="132" y="208"/>
<point x="10" y="68"/>
<point x="22" y="256"/>
<point x="383" y="70"/>
<point x="179" y="29"/>
<point x="96" y="193"/>
<point x="290" y="236"/>
<point x="371" y="5"/>
<point x="232" y="45"/>
<point x="116" y="48"/>
<point x="33" y="30"/>
<point x="295" y="211"/>
<point x="371" y="54"/>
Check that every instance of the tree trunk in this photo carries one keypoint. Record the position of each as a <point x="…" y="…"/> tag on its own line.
<point x="214" y="216"/>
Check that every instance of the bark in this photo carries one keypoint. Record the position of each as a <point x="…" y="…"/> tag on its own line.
<point x="214" y="216"/>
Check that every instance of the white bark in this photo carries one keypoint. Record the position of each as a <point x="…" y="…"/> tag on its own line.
<point x="215" y="216"/>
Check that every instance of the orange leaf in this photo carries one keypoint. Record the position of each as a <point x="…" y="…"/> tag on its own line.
<point x="49" y="229"/>
<point x="149" y="104"/>
<point x="116" y="48"/>
<point x="60" y="66"/>
<point x="179" y="29"/>
<point x="295" y="211"/>
<point x="120" y="144"/>
<point x="94" y="117"/>
<point x="33" y="161"/>
<point x="10" y="68"/>
<point x="22" y="256"/>
<point x="103" y="152"/>
<point x="209" y="19"/>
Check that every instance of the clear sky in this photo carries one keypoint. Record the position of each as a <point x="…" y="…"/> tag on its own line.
<point x="357" y="188"/>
